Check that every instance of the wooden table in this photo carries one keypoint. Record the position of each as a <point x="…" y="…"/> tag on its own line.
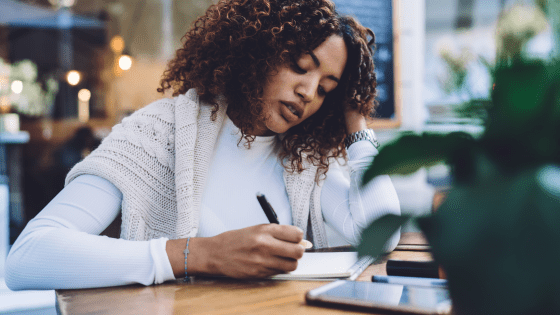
<point x="215" y="296"/>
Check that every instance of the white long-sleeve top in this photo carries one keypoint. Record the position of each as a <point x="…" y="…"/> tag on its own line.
<point x="61" y="249"/>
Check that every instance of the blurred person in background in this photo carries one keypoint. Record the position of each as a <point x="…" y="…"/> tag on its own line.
<point x="82" y="143"/>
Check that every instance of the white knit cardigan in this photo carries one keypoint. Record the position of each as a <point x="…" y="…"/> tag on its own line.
<point x="159" y="159"/>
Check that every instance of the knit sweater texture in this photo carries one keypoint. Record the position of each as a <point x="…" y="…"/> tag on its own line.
<point x="159" y="158"/>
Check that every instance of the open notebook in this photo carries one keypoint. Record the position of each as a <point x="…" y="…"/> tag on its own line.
<point x="328" y="266"/>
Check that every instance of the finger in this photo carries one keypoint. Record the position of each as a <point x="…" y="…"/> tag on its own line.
<point x="282" y="265"/>
<point x="269" y="272"/>
<point x="268" y="267"/>
<point x="285" y="249"/>
<point x="287" y="233"/>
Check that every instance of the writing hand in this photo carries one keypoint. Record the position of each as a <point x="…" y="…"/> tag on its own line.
<point x="255" y="252"/>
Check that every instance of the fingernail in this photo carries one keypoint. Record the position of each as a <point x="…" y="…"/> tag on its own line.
<point x="306" y="244"/>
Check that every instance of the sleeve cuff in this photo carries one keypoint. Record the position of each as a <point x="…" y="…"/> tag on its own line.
<point x="360" y="154"/>
<point x="162" y="266"/>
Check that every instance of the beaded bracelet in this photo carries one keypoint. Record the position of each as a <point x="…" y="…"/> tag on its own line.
<point x="186" y="251"/>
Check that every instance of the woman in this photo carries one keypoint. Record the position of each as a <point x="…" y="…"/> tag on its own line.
<point x="265" y="94"/>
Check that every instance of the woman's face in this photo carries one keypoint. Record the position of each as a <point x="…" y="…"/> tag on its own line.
<point x="295" y="92"/>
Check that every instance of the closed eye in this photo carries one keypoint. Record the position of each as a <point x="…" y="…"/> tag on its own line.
<point x="298" y="69"/>
<point x="322" y="91"/>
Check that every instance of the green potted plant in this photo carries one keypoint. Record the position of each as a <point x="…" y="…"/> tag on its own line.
<point x="497" y="233"/>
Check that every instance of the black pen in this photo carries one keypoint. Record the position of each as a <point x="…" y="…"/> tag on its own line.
<point x="427" y="282"/>
<point x="267" y="208"/>
<point x="273" y="218"/>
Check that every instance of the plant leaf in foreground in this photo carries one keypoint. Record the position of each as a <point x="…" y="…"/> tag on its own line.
<point x="412" y="152"/>
<point x="378" y="233"/>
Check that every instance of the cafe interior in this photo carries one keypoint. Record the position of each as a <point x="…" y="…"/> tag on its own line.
<point x="72" y="69"/>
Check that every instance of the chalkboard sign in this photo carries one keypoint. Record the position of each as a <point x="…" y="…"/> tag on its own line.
<point x="380" y="16"/>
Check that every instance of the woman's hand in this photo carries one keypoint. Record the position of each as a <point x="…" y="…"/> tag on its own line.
<point x="354" y="120"/>
<point x="254" y="252"/>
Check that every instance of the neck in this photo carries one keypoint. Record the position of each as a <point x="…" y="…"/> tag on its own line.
<point x="258" y="130"/>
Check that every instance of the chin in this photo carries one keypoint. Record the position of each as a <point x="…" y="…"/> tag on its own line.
<point x="278" y="130"/>
<point x="279" y="126"/>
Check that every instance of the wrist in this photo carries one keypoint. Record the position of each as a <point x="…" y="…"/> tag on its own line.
<point x="362" y="135"/>
<point x="197" y="257"/>
<point x="355" y="122"/>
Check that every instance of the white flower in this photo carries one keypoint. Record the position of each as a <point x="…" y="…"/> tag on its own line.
<point x="32" y="100"/>
<point x="52" y="85"/>
<point x="24" y="70"/>
<point x="522" y="21"/>
<point x="516" y="27"/>
<point x="446" y="46"/>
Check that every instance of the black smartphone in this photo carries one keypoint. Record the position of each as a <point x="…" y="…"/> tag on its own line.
<point x="382" y="296"/>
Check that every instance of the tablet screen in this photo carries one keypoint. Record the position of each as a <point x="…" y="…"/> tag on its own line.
<point x="415" y="299"/>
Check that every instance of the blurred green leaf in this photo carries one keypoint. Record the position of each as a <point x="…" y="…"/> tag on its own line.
<point x="412" y="152"/>
<point x="520" y="93"/>
<point x="498" y="243"/>
<point x="496" y="234"/>
<point x="523" y="129"/>
<point x="376" y="235"/>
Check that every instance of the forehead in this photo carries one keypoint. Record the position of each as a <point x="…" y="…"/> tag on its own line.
<point x="331" y="55"/>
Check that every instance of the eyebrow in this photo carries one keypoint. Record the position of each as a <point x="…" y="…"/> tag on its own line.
<point x="318" y="63"/>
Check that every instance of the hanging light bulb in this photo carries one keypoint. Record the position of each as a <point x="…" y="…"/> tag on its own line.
<point x="73" y="77"/>
<point x="125" y="61"/>
<point x="117" y="44"/>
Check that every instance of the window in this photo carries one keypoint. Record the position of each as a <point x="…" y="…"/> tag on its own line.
<point x="464" y="38"/>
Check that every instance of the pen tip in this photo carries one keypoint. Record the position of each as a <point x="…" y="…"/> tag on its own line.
<point x="306" y="244"/>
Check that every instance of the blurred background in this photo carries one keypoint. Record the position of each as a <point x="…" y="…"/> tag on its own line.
<point x="71" y="69"/>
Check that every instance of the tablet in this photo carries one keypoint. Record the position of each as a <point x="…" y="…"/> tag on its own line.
<point x="382" y="296"/>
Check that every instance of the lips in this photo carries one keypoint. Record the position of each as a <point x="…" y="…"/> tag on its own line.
<point x="293" y="108"/>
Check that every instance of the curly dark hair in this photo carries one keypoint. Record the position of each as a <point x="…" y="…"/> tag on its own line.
<point x="232" y="49"/>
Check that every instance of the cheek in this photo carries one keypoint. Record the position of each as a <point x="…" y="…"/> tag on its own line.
<point x="271" y="86"/>
<point x="277" y="84"/>
<point x="315" y="108"/>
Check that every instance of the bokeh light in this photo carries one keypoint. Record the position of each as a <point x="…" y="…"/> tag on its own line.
<point x="4" y="81"/>
<point x="62" y="3"/>
<point x="17" y="86"/>
<point x="117" y="44"/>
<point x="125" y="62"/>
<point x="67" y="3"/>
<point x="4" y="104"/>
<point x="73" y="77"/>
<point x="84" y="95"/>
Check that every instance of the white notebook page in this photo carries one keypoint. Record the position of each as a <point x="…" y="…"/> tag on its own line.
<point x="325" y="265"/>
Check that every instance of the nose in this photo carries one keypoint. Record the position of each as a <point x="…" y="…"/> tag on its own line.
<point x="306" y="92"/>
